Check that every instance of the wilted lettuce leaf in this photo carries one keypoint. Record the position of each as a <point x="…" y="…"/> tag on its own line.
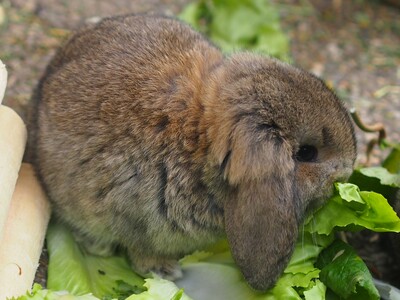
<point x="239" y="24"/>
<point x="343" y="271"/>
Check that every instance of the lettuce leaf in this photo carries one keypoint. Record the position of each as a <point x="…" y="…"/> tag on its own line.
<point x="352" y="209"/>
<point x="79" y="273"/>
<point x="384" y="176"/>
<point x="354" y="281"/>
<point x="239" y="24"/>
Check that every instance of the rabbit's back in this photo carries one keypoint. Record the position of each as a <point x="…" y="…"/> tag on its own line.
<point x="127" y="64"/>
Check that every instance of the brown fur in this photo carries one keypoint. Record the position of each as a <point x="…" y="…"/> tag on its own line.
<point x="146" y="136"/>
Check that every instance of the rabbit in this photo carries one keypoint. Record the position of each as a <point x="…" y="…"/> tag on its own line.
<point x="147" y="137"/>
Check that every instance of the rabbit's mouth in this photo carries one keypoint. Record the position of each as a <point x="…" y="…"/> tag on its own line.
<point x="316" y="191"/>
<point x="313" y="200"/>
<point x="316" y="203"/>
<point x="323" y="193"/>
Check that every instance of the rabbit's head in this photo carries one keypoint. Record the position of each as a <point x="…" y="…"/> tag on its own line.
<point x="280" y="138"/>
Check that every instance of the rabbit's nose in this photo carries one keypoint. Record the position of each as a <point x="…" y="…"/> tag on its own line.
<point x="342" y="170"/>
<point x="343" y="173"/>
<point x="343" y="176"/>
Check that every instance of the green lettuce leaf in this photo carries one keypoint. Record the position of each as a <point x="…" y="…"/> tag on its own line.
<point x="352" y="209"/>
<point x="384" y="181"/>
<point x="239" y="24"/>
<point x="317" y="292"/>
<point x="80" y="273"/>
<point x="384" y="176"/>
<point x="307" y="249"/>
<point x="343" y="271"/>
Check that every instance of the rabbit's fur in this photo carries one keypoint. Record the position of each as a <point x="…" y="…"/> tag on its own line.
<point x="146" y="136"/>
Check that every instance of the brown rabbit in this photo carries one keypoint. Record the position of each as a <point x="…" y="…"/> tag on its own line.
<point x="146" y="136"/>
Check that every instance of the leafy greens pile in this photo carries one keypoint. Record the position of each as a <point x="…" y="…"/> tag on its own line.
<point x="320" y="262"/>
<point x="321" y="265"/>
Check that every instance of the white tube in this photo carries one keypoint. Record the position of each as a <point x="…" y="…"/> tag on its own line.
<point x="24" y="235"/>
<point x="12" y="145"/>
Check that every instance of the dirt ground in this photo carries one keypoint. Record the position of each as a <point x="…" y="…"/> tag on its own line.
<point x="352" y="44"/>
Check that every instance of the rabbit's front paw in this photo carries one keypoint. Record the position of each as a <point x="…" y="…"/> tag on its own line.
<point x="166" y="268"/>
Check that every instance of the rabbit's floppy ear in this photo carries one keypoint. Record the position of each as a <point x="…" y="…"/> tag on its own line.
<point x="261" y="214"/>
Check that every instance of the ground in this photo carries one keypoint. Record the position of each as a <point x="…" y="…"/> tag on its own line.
<point x="353" y="45"/>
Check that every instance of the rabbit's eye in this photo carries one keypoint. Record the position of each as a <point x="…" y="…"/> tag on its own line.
<point x="307" y="153"/>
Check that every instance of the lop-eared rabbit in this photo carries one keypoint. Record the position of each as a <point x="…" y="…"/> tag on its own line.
<point x="146" y="136"/>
